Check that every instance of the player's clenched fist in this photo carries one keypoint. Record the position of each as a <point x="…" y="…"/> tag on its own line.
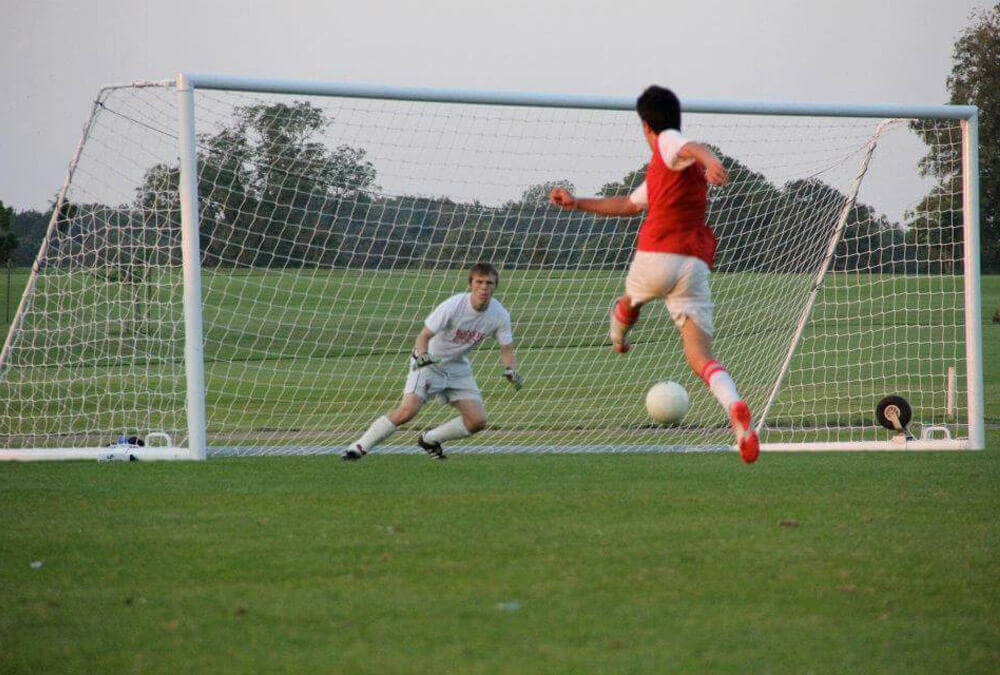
<point x="716" y="174"/>
<point x="562" y="197"/>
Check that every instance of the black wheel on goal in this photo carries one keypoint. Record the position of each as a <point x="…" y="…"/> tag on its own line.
<point x="894" y="413"/>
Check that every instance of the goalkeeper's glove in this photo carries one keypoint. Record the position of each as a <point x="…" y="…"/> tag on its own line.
<point x="421" y="360"/>
<point x="514" y="378"/>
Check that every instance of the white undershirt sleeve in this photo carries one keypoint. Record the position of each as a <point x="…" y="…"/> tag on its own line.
<point x="640" y="196"/>
<point x="670" y="143"/>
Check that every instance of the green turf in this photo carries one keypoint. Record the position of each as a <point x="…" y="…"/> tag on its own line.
<point x="287" y="359"/>
<point x="823" y="563"/>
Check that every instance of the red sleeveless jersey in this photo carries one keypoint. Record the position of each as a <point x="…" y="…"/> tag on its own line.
<point x="675" y="216"/>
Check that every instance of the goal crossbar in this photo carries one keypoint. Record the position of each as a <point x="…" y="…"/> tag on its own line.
<point x="543" y="100"/>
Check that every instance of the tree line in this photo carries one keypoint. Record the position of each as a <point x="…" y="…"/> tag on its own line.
<point x="271" y="194"/>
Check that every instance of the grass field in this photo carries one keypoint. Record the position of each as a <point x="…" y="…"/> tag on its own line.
<point x="823" y="563"/>
<point x="310" y="356"/>
<point x="509" y="564"/>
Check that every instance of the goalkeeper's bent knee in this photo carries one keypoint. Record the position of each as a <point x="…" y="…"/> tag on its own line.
<point x="475" y="425"/>
<point x="624" y="312"/>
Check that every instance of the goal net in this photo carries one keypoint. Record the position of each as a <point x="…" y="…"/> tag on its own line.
<point x="331" y="225"/>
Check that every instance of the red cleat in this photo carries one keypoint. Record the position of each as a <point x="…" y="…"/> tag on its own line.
<point x="746" y="438"/>
<point x="750" y="448"/>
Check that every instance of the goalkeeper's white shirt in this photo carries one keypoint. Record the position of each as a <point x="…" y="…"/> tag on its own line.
<point x="458" y="328"/>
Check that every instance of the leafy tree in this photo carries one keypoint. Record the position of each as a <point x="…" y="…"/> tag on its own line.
<point x="29" y="227"/>
<point x="8" y="240"/>
<point x="538" y="195"/>
<point x="748" y="209"/>
<point x="268" y="187"/>
<point x="630" y="182"/>
<point x="974" y="80"/>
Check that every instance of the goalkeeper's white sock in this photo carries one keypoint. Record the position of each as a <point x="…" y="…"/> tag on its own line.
<point x="721" y="384"/>
<point x="449" y="431"/>
<point x="379" y="430"/>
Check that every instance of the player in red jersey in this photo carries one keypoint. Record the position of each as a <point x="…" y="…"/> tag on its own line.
<point x="675" y="251"/>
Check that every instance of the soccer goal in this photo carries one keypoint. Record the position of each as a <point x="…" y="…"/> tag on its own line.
<point x="239" y="266"/>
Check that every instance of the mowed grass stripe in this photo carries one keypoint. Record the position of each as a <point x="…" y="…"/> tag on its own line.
<point x="551" y="564"/>
<point x="327" y="353"/>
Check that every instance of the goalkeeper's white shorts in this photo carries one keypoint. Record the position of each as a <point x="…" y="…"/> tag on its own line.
<point x="448" y="382"/>
<point x="680" y="280"/>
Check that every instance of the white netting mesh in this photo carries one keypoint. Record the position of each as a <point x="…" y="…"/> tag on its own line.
<point x="331" y="227"/>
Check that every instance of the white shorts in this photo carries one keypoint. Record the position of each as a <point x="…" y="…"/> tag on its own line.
<point x="449" y="382"/>
<point x="681" y="280"/>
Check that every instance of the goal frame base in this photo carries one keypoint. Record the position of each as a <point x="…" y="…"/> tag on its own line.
<point x="110" y="453"/>
<point x="873" y="446"/>
<point x="113" y="453"/>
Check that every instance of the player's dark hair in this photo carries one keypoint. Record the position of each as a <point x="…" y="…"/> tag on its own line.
<point x="659" y="108"/>
<point x="484" y="269"/>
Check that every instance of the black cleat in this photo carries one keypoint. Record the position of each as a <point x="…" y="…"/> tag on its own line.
<point x="354" y="454"/>
<point x="434" y="450"/>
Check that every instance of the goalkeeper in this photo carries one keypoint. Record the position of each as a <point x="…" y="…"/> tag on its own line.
<point x="675" y="251"/>
<point x="440" y="368"/>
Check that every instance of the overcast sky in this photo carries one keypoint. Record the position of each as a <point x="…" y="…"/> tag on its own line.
<point x="56" y="54"/>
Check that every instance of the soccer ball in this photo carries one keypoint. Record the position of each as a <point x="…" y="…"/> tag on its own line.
<point x="667" y="402"/>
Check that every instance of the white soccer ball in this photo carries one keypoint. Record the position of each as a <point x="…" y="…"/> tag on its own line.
<point x="666" y="402"/>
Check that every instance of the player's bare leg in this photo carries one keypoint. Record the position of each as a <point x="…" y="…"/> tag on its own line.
<point x="471" y="420"/>
<point x="383" y="427"/>
<point x="407" y="410"/>
<point x="698" y="351"/>
<point x="623" y="316"/>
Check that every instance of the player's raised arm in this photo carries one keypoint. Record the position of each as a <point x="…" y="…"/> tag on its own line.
<point x="605" y="206"/>
<point x="715" y="173"/>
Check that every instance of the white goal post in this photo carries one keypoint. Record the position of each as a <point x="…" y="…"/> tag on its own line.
<point x="238" y="266"/>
